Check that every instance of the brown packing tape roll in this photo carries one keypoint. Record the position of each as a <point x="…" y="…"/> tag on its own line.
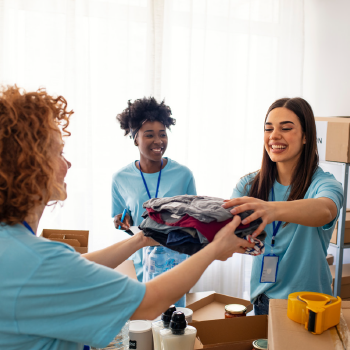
<point x="71" y="242"/>
<point x="82" y="239"/>
<point x="57" y="235"/>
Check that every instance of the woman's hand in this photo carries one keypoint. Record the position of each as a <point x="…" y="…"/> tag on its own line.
<point x="127" y="222"/>
<point x="262" y="209"/>
<point x="228" y="242"/>
<point x="146" y="241"/>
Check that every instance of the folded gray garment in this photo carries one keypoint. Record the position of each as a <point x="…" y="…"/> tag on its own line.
<point x="165" y="229"/>
<point x="202" y="208"/>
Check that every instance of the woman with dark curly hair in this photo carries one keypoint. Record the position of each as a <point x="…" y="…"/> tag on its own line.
<point x="51" y="297"/>
<point x="153" y="176"/>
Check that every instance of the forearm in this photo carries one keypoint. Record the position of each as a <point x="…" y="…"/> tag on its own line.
<point x="115" y="254"/>
<point x="169" y="287"/>
<point x="314" y="212"/>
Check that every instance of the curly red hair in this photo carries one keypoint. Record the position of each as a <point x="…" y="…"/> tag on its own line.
<point x="29" y="124"/>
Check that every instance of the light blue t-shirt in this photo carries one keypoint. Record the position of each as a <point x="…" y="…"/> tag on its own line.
<point x="302" y="250"/>
<point x="52" y="298"/>
<point x="128" y="191"/>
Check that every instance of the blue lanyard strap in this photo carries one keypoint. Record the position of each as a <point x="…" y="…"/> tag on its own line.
<point x="275" y="228"/>
<point x="144" y="181"/>
<point x="25" y="223"/>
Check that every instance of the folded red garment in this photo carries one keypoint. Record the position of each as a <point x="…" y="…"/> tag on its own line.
<point x="209" y="230"/>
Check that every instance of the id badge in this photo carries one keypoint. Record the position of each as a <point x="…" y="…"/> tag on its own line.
<point x="269" y="268"/>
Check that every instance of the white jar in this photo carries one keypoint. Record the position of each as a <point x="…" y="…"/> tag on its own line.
<point x="178" y="335"/>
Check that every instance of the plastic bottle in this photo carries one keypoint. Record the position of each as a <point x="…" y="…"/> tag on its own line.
<point x="145" y="263"/>
<point x="121" y="340"/>
<point x="157" y="260"/>
<point x="178" y="335"/>
<point x="157" y="326"/>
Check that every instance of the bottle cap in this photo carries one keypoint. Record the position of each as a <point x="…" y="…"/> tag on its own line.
<point x="178" y="322"/>
<point x="235" y="309"/>
<point x="166" y="316"/>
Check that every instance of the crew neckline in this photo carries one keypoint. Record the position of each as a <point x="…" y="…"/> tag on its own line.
<point x="150" y="174"/>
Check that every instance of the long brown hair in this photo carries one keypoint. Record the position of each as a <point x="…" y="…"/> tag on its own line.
<point x="262" y="183"/>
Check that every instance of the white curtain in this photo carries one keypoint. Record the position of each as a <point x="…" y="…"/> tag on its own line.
<point x="219" y="64"/>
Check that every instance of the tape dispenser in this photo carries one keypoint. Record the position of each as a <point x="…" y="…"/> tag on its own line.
<point x="316" y="310"/>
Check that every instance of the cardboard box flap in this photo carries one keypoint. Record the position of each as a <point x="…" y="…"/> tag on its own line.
<point x="212" y="307"/>
<point x="221" y="331"/>
<point x="345" y="273"/>
<point x="47" y="232"/>
<point x="81" y="238"/>
<point x="71" y="242"/>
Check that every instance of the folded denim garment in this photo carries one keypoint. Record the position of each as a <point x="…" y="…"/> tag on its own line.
<point x="185" y="248"/>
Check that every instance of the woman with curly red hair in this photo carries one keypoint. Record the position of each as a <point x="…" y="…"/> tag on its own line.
<point x="50" y="296"/>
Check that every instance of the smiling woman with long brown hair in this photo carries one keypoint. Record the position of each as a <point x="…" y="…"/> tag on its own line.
<point x="298" y="203"/>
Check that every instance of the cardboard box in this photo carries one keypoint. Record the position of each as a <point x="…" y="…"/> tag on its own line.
<point x="233" y="333"/>
<point x="346" y="232"/>
<point x="345" y="280"/>
<point x="212" y="307"/>
<point x="333" y="139"/>
<point x="78" y="239"/>
<point x="330" y="259"/>
<point x="286" y="334"/>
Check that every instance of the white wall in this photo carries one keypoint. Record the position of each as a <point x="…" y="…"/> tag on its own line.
<point x="326" y="76"/>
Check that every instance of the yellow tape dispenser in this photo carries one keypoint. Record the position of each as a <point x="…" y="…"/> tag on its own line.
<point x="316" y="310"/>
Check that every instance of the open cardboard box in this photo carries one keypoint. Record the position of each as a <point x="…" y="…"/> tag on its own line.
<point x="78" y="239"/>
<point x="232" y="333"/>
<point x="330" y="259"/>
<point x="286" y="334"/>
<point x="345" y="280"/>
<point x="346" y="229"/>
<point x="212" y="307"/>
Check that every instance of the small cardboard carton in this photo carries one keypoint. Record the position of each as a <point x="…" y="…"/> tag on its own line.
<point x="345" y="280"/>
<point x="78" y="239"/>
<point x="330" y="259"/>
<point x="346" y="231"/>
<point x="333" y="139"/>
<point x="233" y="333"/>
<point x="283" y="333"/>
<point x="212" y="307"/>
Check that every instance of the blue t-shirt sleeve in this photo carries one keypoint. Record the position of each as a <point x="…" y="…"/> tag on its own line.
<point x="191" y="189"/>
<point x="241" y="189"/>
<point x="68" y="297"/>
<point x="118" y="202"/>
<point x="329" y="187"/>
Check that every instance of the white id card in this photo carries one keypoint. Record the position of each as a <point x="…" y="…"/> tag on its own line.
<point x="269" y="269"/>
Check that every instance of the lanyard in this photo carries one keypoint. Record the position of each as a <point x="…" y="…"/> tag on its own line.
<point x="275" y="228"/>
<point x="25" y="223"/>
<point x="144" y="181"/>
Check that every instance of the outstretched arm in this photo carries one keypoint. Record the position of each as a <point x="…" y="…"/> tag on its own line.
<point x="314" y="212"/>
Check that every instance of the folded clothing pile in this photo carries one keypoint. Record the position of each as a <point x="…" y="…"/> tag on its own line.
<point x="187" y="223"/>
